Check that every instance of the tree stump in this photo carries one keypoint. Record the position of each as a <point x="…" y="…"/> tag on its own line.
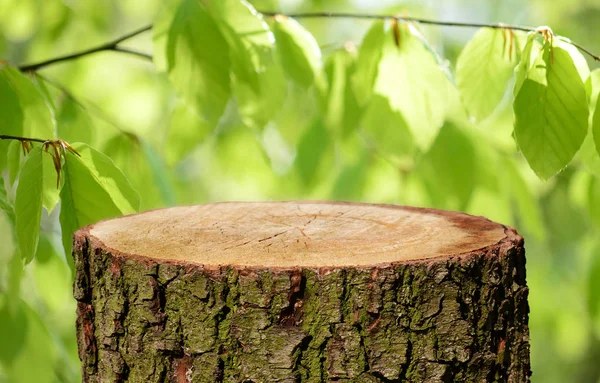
<point x="301" y="292"/>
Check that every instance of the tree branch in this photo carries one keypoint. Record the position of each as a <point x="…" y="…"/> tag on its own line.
<point x="344" y="15"/>
<point x="22" y="139"/>
<point x="109" y="46"/>
<point x="113" y="45"/>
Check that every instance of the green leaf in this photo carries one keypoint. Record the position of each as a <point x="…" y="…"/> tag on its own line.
<point x="11" y="118"/>
<point x="38" y="121"/>
<point x="526" y="206"/>
<point x="51" y="190"/>
<point x="13" y="330"/>
<point x="110" y="178"/>
<point x="6" y="233"/>
<point x="367" y="63"/>
<point x="483" y="69"/>
<point x="298" y="51"/>
<point x="551" y="113"/>
<point x="596" y="126"/>
<point x="28" y="203"/>
<point x="186" y="131"/>
<point x="160" y="174"/>
<point x="594" y="200"/>
<point x="197" y="59"/>
<point x="14" y="160"/>
<point x="37" y="345"/>
<point x="409" y="76"/>
<point x="387" y="128"/>
<point x="593" y="291"/>
<point x="449" y="168"/>
<point x="5" y="204"/>
<point x="73" y="122"/>
<point x="350" y="183"/>
<point x="343" y="112"/>
<point x="528" y="56"/>
<point x="142" y="167"/>
<point x="258" y="81"/>
<point x="84" y="196"/>
<point x="311" y="148"/>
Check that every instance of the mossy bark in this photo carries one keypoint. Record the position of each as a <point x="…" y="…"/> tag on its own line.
<point x="450" y="319"/>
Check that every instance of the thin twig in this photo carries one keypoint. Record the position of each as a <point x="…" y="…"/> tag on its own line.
<point x="344" y="15"/>
<point x="133" y="52"/>
<point x="109" y="46"/>
<point x="22" y="139"/>
<point x="113" y="45"/>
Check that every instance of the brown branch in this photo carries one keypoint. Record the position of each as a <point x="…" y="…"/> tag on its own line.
<point x="22" y="139"/>
<point x="113" y="45"/>
<point x="109" y="46"/>
<point x="344" y="15"/>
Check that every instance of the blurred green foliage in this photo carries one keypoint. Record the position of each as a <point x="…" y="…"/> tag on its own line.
<point x="313" y="116"/>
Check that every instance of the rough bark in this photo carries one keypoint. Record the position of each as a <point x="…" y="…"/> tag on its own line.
<point x="450" y="318"/>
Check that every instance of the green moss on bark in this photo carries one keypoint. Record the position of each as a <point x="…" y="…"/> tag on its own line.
<point x="460" y="319"/>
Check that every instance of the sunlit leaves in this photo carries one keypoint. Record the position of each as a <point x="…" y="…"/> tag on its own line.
<point x="11" y="118"/>
<point x="298" y="51"/>
<point x="186" y="130"/>
<point x="258" y="81"/>
<point x="409" y="76"/>
<point x="110" y="178"/>
<point x="94" y="189"/>
<point x="448" y="168"/>
<point x="483" y="69"/>
<point x="551" y="113"/>
<point x="596" y="126"/>
<point x="343" y="111"/>
<point x="367" y="63"/>
<point x="312" y="147"/>
<point x="197" y="59"/>
<point x="28" y="203"/>
<point x="528" y="56"/>
<point x="37" y="117"/>
<point x="73" y="122"/>
<point x="387" y="129"/>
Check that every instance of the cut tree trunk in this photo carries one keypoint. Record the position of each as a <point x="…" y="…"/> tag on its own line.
<point x="301" y="292"/>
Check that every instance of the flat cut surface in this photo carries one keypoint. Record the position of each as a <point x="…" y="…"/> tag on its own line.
<point x="295" y="234"/>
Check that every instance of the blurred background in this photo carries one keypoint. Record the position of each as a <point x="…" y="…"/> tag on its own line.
<point x="559" y="218"/>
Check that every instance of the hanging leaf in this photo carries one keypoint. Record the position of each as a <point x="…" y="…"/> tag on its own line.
<point x="186" y="131"/>
<point x="596" y="126"/>
<point x="311" y="149"/>
<point x="387" y="128"/>
<point x="110" y="178"/>
<point x="11" y="118"/>
<point x="593" y="284"/>
<point x="197" y="59"/>
<point x="13" y="156"/>
<point x="551" y="113"/>
<point x="258" y="81"/>
<point x="73" y="122"/>
<point x="343" y="112"/>
<point x="142" y="167"/>
<point x="51" y="189"/>
<point x="449" y="168"/>
<point x="5" y="204"/>
<point x="526" y="206"/>
<point x="414" y="84"/>
<point x="38" y="121"/>
<point x="530" y="52"/>
<point x="594" y="200"/>
<point x="298" y="51"/>
<point x="87" y="196"/>
<point x="28" y="203"/>
<point x="483" y="69"/>
<point x="367" y="63"/>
